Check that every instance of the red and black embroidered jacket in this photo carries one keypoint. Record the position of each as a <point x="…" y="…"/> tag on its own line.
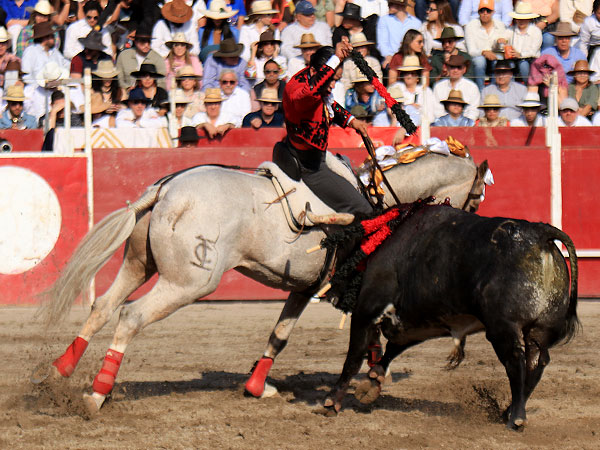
<point x="306" y="117"/>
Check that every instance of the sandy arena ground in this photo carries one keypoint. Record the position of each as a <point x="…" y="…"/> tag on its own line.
<point x="181" y="386"/>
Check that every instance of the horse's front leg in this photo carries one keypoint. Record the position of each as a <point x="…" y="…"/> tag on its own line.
<point x="293" y="308"/>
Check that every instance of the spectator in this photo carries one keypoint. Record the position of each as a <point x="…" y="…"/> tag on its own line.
<point x="284" y="15"/>
<point x="363" y="93"/>
<point x="146" y="81"/>
<point x="181" y="103"/>
<point x="363" y="46"/>
<point x="138" y="113"/>
<point x="351" y="23"/>
<point x="530" y="116"/>
<point x="370" y="11"/>
<point x="454" y="106"/>
<point x="524" y="40"/>
<point x="390" y="120"/>
<point x="56" y="118"/>
<point x="569" y="117"/>
<point x="17" y="14"/>
<point x="360" y="112"/>
<point x="482" y="36"/>
<point x="42" y="12"/>
<point x="392" y="28"/>
<point x="269" y="115"/>
<point x="188" y="137"/>
<point x="573" y="12"/>
<point x="189" y="82"/>
<point x="540" y="73"/>
<point x="548" y="20"/>
<point x="412" y="91"/>
<point x="582" y="89"/>
<point x="509" y="92"/>
<point x="92" y="54"/>
<point x="589" y="34"/>
<point x="308" y="46"/>
<point x="266" y="49"/>
<point x="439" y="69"/>
<point x="562" y="50"/>
<point x="491" y="113"/>
<point x="43" y="50"/>
<point x="228" y="57"/>
<point x="105" y="83"/>
<point x="13" y="116"/>
<point x="101" y="118"/>
<point x="237" y="20"/>
<point x="176" y="19"/>
<point x="439" y="17"/>
<point x="131" y="59"/>
<point x="457" y="67"/>
<point x="324" y="11"/>
<point x="82" y="28"/>
<point x="412" y="45"/>
<point x="259" y="21"/>
<point x="236" y="101"/>
<point x="179" y="56"/>
<point x="214" y="121"/>
<point x="305" y="23"/>
<point x="217" y="28"/>
<point x="272" y="81"/>
<point x="470" y="8"/>
<point x="6" y="57"/>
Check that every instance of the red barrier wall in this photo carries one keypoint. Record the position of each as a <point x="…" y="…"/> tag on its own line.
<point x="24" y="140"/>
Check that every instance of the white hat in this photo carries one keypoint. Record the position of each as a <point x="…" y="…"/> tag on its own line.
<point x="531" y="100"/>
<point x="180" y="96"/>
<point x="4" y="35"/>
<point x="262" y="7"/>
<point x="523" y="11"/>
<point x="219" y="10"/>
<point x="357" y="76"/>
<point x="359" y="40"/>
<point x="569" y="103"/>
<point x="410" y="64"/>
<point x="52" y="72"/>
<point x="396" y="93"/>
<point x="42" y="7"/>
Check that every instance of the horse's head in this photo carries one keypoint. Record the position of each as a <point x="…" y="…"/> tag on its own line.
<point x="477" y="192"/>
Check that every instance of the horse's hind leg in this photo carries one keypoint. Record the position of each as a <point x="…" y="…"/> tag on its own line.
<point x="293" y="308"/>
<point x="138" y="266"/>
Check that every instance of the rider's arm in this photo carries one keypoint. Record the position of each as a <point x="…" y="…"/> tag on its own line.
<point x="307" y="90"/>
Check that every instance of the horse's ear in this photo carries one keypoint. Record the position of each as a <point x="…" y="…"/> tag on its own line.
<point x="482" y="169"/>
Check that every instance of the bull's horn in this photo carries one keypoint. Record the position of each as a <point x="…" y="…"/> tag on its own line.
<point x="331" y="219"/>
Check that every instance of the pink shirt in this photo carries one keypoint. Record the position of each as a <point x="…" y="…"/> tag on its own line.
<point x="178" y="64"/>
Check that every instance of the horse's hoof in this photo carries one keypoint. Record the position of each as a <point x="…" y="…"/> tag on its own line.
<point x="269" y="391"/>
<point x="329" y="408"/>
<point x="44" y="372"/>
<point x="92" y="404"/>
<point x="367" y="391"/>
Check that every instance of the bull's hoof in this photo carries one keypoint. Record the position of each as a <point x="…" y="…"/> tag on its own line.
<point x="44" y="372"/>
<point x="92" y="404"/>
<point x="455" y="358"/>
<point x="517" y="424"/>
<point x="367" y="391"/>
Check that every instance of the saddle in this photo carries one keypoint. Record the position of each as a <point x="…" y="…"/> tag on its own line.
<point x="294" y="196"/>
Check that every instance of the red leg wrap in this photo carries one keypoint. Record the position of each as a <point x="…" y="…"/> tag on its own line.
<point x="105" y="380"/>
<point x="256" y="384"/>
<point x="68" y="361"/>
<point x="375" y="355"/>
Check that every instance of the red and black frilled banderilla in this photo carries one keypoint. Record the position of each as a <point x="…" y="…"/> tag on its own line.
<point x="403" y="118"/>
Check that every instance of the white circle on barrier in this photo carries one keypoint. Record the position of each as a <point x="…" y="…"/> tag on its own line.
<point x="30" y="220"/>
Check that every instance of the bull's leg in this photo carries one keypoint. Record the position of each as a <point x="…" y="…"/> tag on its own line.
<point x="293" y="308"/>
<point x="537" y="360"/>
<point x="509" y="347"/>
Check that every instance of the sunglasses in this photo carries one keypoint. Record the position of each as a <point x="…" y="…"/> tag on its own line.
<point x="92" y="17"/>
<point x="455" y="67"/>
<point x="269" y="103"/>
<point x="228" y="81"/>
<point x="485" y="11"/>
<point x="137" y="102"/>
<point x="431" y="9"/>
<point x="271" y="71"/>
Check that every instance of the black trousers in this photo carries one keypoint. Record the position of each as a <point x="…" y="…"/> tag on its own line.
<point x="331" y="188"/>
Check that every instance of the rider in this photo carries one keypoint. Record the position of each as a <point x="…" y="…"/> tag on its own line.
<point x="309" y="111"/>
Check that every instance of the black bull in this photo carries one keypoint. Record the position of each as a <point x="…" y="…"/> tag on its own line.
<point x="445" y="272"/>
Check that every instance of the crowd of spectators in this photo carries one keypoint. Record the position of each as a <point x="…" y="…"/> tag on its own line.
<point x="225" y="63"/>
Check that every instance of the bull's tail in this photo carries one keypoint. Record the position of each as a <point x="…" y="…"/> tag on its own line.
<point x="572" y="324"/>
<point x="95" y="249"/>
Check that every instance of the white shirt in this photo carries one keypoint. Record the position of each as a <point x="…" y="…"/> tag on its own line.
<point x="295" y="65"/>
<point x="292" y="34"/>
<point x="258" y="71"/>
<point x="540" y="121"/>
<point x="589" y="34"/>
<point x="237" y="106"/>
<point x="78" y="30"/>
<point x="579" y="122"/>
<point x="470" y="94"/>
<point x="370" y="7"/>
<point x="149" y="119"/>
<point x="478" y="39"/>
<point x="431" y="44"/>
<point x="37" y="100"/>
<point x="417" y="100"/>
<point x="163" y="33"/>
<point x="223" y="119"/>
<point x="250" y="34"/>
<point x="35" y="58"/>
<point x="528" y="44"/>
<point x="102" y="122"/>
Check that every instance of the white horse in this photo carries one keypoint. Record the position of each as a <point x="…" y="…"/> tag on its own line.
<point x="192" y="227"/>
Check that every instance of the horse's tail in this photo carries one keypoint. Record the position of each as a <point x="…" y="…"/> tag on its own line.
<point x="95" y="249"/>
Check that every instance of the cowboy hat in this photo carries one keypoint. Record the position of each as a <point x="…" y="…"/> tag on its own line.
<point x="351" y="11"/>
<point x="410" y="64"/>
<point x="563" y="29"/>
<point x="448" y="33"/>
<point x="14" y="93"/>
<point x="144" y="32"/>
<point x="106" y="69"/>
<point x="491" y="101"/>
<point x="504" y="64"/>
<point x="359" y="40"/>
<point x="580" y="66"/>
<point x="187" y="71"/>
<point x="269" y="95"/>
<point x="4" y="35"/>
<point x="228" y="48"/>
<point x="93" y="41"/>
<point x="308" y="41"/>
<point x="52" y="72"/>
<point x="42" y="29"/>
<point x="531" y="100"/>
<point x="178" y="38"/>
<point x="189" y="134"/>
<point x="268" y="36"/>
<point x="213" y="95"/>
<point x="455" y="96"/>
<point x="218" y="9"/>
<point x="97" y="103"/>
<point x="177" y="11"/>
<point x="457" y="60"/>
<point x="43" y="8"/>
<point x="357" y="76"/>
<point x="523" y="11"/>
<point x="146" y="68"/>
<point x="396" y="93"/>
<point x="262" y="7"/>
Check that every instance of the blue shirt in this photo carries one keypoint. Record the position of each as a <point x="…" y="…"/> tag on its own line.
<point x="468" y="11"/>
<point x="277" y="121"/>
<point x="29" y="122"/>
<point x="448" y="121"/>
<point x="391" y="31"/>
<point x="16" y="12"/>
<point x="574" y="55"/>
<point x="371" y="105"/>
<point x="213" y="68"/>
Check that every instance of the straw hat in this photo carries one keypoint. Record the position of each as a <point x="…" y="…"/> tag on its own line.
<point x="357" y="76"/>
<point x="455" y="96"/>
<point x="180" y="97"/>
<point x="106" y="69"/>
<point x="396" y="93"/>
<point x="177" y="11"/>
<point x="359" y="40"/>
<point x="14" y="93"/>
<point x="269" y="95"/>
<point x="4" y="35"/>
<point x="97" y="104"/>
<point x="178" y="38"/>
<point x="219" y="10"/>
<point x="213" y="95"/>
<point x="187" y="71"/>
<point x="563" y="29"/>
<point x="491" y="101"/>
<point x="308" y="41"/>
<point x="531" y="100"/>
<point x="523" y="11"/>
<point x="580" y="66"/>
<point x="410" y="64"/>
<point x="52" y="72"/>
<point x="43" y="7"/>
<point x="262" y="7"/>
<point x="228" y="48"/>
